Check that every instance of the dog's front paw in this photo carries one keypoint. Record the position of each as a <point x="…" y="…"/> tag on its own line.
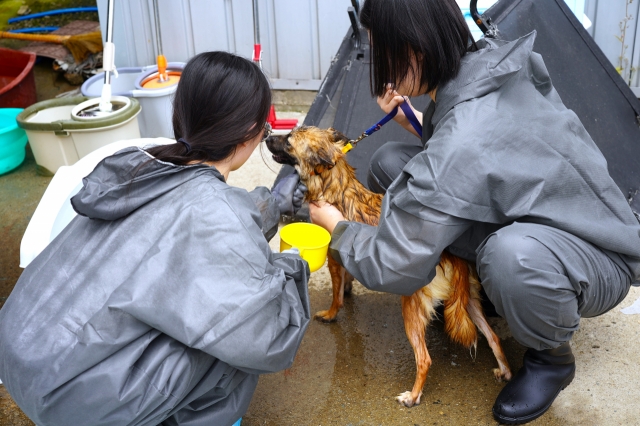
<point x="502" y="375"/>
<point x="325" y="316"/>
<point x="407" y="400"/>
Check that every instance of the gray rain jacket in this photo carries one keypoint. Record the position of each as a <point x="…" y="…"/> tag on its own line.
<point x="163" y="297"/>
<point x="500" y="147"/>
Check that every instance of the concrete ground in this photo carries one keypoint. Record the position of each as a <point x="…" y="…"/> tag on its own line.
<point x="348" y="372"/>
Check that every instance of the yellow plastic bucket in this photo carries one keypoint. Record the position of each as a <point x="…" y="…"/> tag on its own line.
<point x="312" y="241"/>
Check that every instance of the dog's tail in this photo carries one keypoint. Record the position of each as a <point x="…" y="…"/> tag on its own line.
<point x="457" y="322"/>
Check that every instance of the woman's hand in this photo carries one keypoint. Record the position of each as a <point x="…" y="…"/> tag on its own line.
<point x="289" y="193"/>
<point x="325" y="215"/>
<point x="392" y="100"/>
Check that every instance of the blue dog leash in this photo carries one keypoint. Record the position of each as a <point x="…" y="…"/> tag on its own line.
<point x="408" y="112"/>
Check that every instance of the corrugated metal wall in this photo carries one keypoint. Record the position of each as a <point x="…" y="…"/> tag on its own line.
<point x="297" y="49"/>
<point x="300" y="37"/>
<point x="606" y="16"/>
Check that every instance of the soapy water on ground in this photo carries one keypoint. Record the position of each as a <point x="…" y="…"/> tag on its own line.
<point x="633" y="309"/>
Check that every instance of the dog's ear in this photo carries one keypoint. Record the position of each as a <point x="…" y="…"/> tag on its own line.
<point x="324" y="156"/>
<point x="337" y="136"/>
<point x="323" y="159"/>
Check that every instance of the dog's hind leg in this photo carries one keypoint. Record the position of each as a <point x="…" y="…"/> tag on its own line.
<point x="348" y="283"/>
<point x="416" y="318"/>
<point x="477" y="316"/>
<point x="338" y="277"/>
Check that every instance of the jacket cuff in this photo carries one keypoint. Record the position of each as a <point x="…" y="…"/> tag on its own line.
<point x="342" y="240"/>
<point x="269" y="211"/>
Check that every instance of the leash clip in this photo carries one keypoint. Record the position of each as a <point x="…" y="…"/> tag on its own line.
<point x="352" y="143"/>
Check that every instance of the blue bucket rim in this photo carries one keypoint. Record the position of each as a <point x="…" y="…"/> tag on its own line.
<point x="84" y="89"/>
<point x="15" y="123"/>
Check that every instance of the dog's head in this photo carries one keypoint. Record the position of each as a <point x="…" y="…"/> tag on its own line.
<point x="309" y="149"/>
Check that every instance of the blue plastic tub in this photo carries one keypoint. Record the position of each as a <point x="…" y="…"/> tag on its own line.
<point x="13" y="140"/>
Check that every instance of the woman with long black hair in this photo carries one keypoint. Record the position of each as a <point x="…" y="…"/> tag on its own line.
<point x="162" y="301"/>
<point x="505" y="176"/>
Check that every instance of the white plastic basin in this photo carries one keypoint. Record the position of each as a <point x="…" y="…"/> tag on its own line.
<point x="54" y="211"/>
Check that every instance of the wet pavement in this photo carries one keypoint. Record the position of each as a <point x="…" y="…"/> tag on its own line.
<point x="348" y="373"/>
<point x="10" y="414"/>
<point x="20" y="191"/>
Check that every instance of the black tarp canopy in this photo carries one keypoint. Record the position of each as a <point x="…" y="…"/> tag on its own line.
<point x="585" y="79"/>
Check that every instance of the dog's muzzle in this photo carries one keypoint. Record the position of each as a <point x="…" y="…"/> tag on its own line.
<point x="275" y="144"/>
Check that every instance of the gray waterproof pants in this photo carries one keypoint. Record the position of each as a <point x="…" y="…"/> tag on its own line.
<point x="387" y="163"/>
<point x="543" y="280"/>
<point x="209" y="409"/>
<point x="540" y="279"/>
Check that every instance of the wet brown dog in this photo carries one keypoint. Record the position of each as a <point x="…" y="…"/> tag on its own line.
<point x="318" y="157"/>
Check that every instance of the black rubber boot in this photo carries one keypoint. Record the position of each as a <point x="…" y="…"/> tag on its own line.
<point x="534" y="388"/>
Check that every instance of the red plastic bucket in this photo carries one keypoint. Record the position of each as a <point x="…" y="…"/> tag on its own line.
<point x="17" y="83"/>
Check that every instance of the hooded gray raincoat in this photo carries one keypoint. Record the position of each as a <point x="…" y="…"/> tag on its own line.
<point x="161" y="302"/>
<point x="500" y="148"/>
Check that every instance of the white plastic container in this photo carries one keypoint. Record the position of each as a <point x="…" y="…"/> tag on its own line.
<point x="54" y="211"/>
<point x="57" y="139"/>
<point x="157" y="108"/>
<point x="157" y="105"/>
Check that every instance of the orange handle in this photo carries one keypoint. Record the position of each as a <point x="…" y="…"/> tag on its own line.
<point x="162" y="68"/>
<point x="51" y="38"/>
